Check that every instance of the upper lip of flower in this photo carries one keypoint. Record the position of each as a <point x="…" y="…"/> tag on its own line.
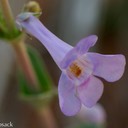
<point x="79" y="67"/>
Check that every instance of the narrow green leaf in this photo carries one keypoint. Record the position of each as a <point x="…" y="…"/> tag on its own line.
<point x="24" y="85"/>
<point x="44" y="80"/>
<point x="40" y="70"/>
<point x="47" y="91"/>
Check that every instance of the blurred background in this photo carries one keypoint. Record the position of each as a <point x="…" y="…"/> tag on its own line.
<point x="70" y="20"/>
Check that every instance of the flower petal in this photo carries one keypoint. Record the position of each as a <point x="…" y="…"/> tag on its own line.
<point x="80" y="49"/>
<point x="69" y="58"/>
<point x="109" y="67"/>
<point x="69" y="102"/>
<point x="90" y="91"/>
<point x="83" y="45"/>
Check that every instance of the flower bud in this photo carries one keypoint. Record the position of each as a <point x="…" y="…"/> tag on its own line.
<point x="32" y="6"/>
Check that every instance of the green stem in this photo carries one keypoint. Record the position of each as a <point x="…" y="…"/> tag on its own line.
<point x="19" y="46"/>
<point x="47" y="116"/>
<point x="3" y="28"/>
<point x="7" y="13"/>
<point x="24" y="61"/>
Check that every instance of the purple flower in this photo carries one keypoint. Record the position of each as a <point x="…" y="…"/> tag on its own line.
<point x="95" y="115"/>
<point x="78" y="83"/>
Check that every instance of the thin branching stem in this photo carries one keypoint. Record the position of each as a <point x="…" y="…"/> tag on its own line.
<point x="19" y="46"/>
<point x="7" y="13"/>
<point x="24" y="61"/>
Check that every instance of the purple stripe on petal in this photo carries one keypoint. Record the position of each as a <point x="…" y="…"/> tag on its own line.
<point x="109" y="67"/>
<point x="83" y="45"/>
<point x="69" y="102"/>
<point x="90" y="91"/>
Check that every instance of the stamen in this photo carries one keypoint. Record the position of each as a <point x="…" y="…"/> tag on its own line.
<point x="80" y="69"/>
<point x="75" y="69"/>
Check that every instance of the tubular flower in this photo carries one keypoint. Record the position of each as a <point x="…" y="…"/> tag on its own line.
<point x="78" y="83"/>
